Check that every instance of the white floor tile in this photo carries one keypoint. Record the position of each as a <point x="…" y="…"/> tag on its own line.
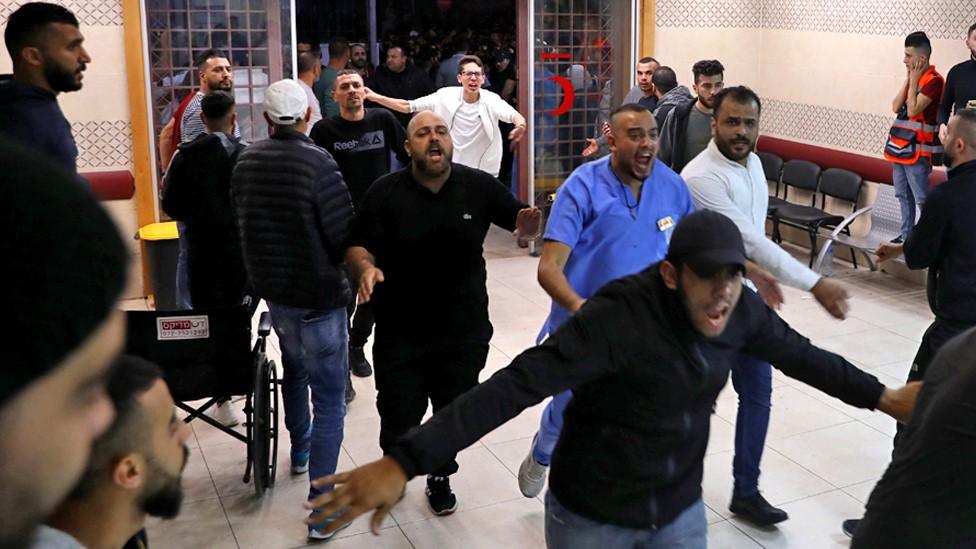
<point x="517" y="523"/>
<point x="814" y="523"/>
<point x="842" y="455"/>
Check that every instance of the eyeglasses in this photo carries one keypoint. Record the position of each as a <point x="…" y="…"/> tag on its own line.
<point x="472" y="74"/>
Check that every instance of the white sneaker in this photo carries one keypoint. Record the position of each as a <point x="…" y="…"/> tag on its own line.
<point x="532" y="474"/>
<point x="315" y="534"/>
<point x="227" y="415"/>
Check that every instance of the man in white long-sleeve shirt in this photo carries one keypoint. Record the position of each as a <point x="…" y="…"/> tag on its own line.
<point x="728" y="178"/>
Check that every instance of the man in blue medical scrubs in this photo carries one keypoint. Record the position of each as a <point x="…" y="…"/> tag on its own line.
<point x="612" y="217"/>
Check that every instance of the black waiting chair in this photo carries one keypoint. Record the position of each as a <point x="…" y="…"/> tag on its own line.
<point x="836" y="183"/>
<point x="773" y="168"/>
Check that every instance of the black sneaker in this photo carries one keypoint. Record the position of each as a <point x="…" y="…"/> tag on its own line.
<point x="350" y="390"/>
<point x="896" y="240"/>
<point x="440" y="497"/>
<point x="849" y="526"/>
<point x="757" y="510"/>
<point x="358" y="364"/>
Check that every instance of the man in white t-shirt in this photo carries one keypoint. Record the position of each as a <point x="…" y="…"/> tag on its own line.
<point x="309" y="71"/>
<point x="471" y="113"/>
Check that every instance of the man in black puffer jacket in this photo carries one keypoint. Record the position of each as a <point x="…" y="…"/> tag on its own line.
<point x="294" y="214"/>
<point x="197" y="192"/>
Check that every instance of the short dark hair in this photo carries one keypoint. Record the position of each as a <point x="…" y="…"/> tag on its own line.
<point x="207" y="55"/>
<point x="217" y="104"/>
<point x="628" y="107"/>
<point x="664" y="79"/>
<point x="338" y="47"/>
<point x="646" y="60"/>
<point x="129" y="379"/>
<point x="739" y="94"/>
<point x="343" y="72"/>
<point x="470" y="59"/>
<point x="968" y="118"/>
<point x="462" y="44"/>
<point x="920" y="42"/>
<point x="307" y="60"/>
<point x="971" y="29"/>
<point x="707" y="67"/>
<point x="25" y="25"/>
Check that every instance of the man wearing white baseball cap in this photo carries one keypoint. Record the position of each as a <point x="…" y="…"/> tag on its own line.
<point x="294" y="213"/>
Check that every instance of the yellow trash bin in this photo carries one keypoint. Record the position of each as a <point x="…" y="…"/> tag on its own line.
<point x="161" y="248"/>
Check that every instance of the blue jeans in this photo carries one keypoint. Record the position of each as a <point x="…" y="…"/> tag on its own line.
<point x="314" y="354"/>
<point x="566" y="529"/>
<point x="911" y="185"/>
<point x="753" y="381"/>
<point x="550" y="425"/>
<point x="182" y="271"/>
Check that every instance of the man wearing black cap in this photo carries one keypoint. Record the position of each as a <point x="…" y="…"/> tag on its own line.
<point x="67" y="271"/>
<point x="646" y="358"/>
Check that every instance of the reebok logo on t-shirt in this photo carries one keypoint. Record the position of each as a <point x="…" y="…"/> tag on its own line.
<point x="368" y="142"/>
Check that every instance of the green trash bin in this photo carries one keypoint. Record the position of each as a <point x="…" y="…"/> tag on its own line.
<point x="161" y="246"/>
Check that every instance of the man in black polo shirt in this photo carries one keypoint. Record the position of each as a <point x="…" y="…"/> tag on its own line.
<point x="363" y="142"/>
<point x="416" y="248"/>
<point x="646" y="358"/>
<point x="960" y="85"/>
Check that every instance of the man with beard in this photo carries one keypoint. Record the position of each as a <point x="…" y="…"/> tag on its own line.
<point x="60" y="309"/>
<point x="944" y="242"/>
<point x="472" y="114"/>
<point x="688" y="127"/>
<point x="646" y="358"/>
<point x="363" y="143"/>
<point x="960" y="85"/>
<point x="612" y="218"/>
<point x="417" y="250"/>
<point x="727" y="177"/>
<point x="134" y="470"/>
<point x="48" y="57"/>
<point x="359" y="61"/>
<point x="309" y="72"/>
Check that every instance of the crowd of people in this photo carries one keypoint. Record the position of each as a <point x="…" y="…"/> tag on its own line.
<point x="663" y="285"/>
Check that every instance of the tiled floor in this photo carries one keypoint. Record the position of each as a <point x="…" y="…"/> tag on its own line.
<point x="822" y="456"/>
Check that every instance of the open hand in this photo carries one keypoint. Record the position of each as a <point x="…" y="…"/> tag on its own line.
<point x="377" y="485"/>
<point x="768" y="287"/>
<point x="369" y="279"/>
<point x="900" y="403"/>
<point x="528" y="223"/>
<point x="591" y="147"/>
<point x="832" y="296"/>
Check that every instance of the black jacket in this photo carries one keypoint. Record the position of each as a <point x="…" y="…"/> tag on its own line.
<point x="32" y="116"/>
<point x="197" y="192"/>
<point x="944" y="240"/>
<point x="410" y="83"/>
<point x="673" y="136"/>
<point x="294" y="214"/>
<point x="644" y="387"/>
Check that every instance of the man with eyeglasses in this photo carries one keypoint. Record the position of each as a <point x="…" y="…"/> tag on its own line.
<point x="472" y="115"/>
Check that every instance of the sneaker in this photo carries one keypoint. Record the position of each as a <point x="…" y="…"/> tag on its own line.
<point x="897" y="240"/>
<point x="531" y="474"/>
<point x="849" y="526"/>
<point x="757" y="510"/>
<point x="299" y="459"/>
<point x="358" y="364"/>
<point x="227" y="415"/>
<point x="440" y="497"/>
<point x="315" y="531"/>
<point x="350" y="390"/>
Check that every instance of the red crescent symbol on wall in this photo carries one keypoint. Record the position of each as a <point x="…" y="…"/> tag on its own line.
<point x="567" y="96"/>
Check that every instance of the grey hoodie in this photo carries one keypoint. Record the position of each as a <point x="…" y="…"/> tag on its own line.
<point x="677" y="95"/>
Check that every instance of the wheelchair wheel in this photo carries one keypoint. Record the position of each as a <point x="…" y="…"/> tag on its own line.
<point x="264" y="449"/>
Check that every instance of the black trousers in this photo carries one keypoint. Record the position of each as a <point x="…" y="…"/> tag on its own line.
<point x="360" y="316"/>
<point x="410" y="375"/>
<point x="936" y="335"/>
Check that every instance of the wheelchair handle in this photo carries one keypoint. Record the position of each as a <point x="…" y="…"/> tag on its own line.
<point x="264" y="324"/>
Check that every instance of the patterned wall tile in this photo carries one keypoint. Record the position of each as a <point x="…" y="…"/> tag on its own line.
<point x="728" y="14"/>
<point x="855" y="131"/>
<point x="947" y="19"/>
<point x="106" y="144"/>
<point x="95" y="13"/>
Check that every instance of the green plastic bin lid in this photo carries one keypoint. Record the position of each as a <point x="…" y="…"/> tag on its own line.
<point x="159" y="231"/>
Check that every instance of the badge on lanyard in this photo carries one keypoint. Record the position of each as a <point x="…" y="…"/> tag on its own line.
<point x="665" y="223"/>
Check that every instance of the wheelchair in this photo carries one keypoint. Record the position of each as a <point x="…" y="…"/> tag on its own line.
<point x="208" y="354"/>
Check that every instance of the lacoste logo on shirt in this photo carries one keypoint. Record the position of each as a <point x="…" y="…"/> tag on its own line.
<point x="466" y="216"/>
